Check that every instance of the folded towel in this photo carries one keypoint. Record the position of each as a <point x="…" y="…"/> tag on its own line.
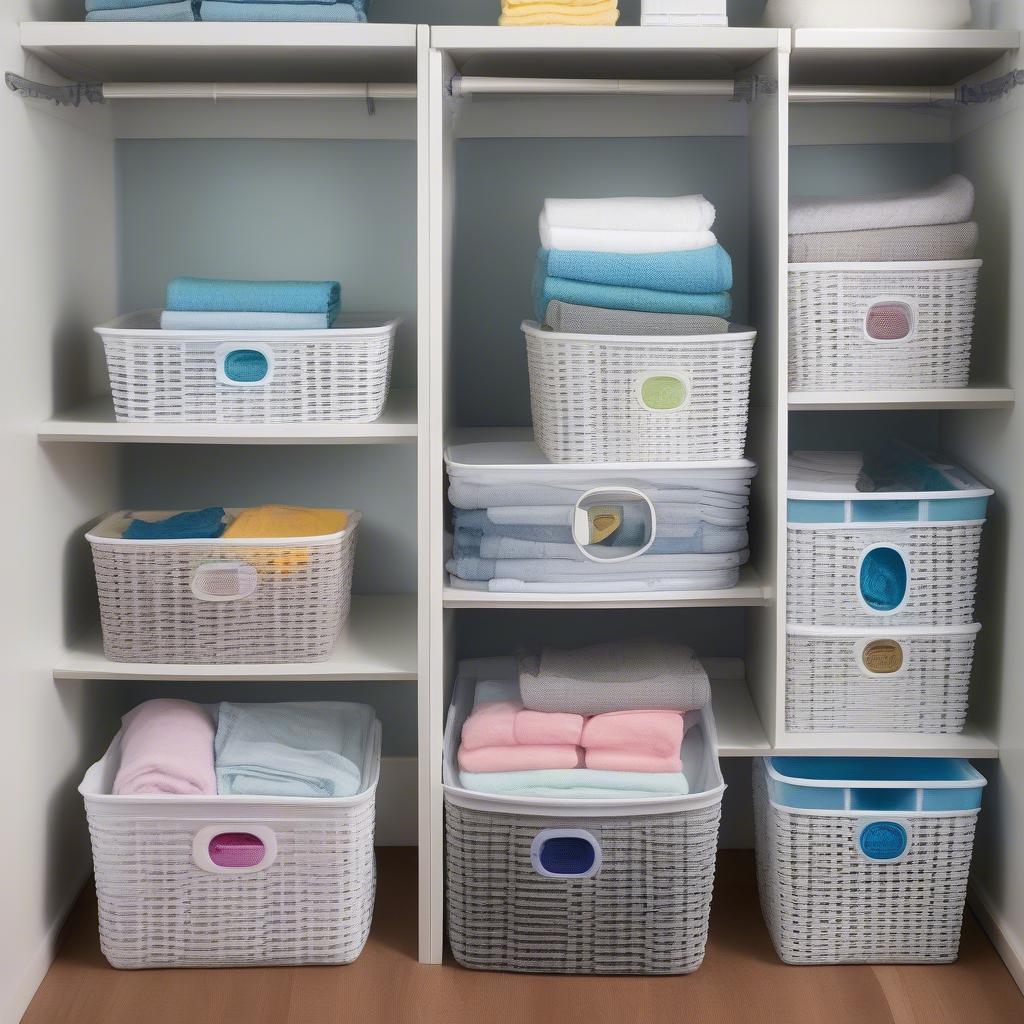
<point x="200" y="524"/>
<point x="211" y="295"/>
<point x="285" y="10"/>
<point x="517" y="759"/>
<point x="601" y="240"/>
<point x="505" y="723"/>
<point x="577" y="784"/>
<point x="166" y="747"/>
<point x="551" y="569"/>
<point x="923" y="14"/>
<point x="697" y="271"/>
<point x="620" y="676"/>
<point x="717" y="580"/>
<point x="118" y="5"/>
<point x="949" y="201"/>
<point x="313" y="749"/>
<point x="182" y="10"/>
<point x="287" y="521"/>
<point x="648" y="731"/>
<point x="632" y="761"/>
<point x="547" y="289"/>
<point x="184" y="320"/>
<point x="568" y="16"/>
<point x="924" y="242"/>
<point x="631" y="213"/>
<point x="569" y="318"/>
<point x="488" y="690"/>
<point x="522" y="8"/>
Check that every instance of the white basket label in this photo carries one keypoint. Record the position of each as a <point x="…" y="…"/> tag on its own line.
<point x="663" y="391"/>
<point x="224" y="580"/>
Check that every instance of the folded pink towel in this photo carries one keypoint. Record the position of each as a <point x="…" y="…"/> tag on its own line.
<point x="167" y="747"/>
<point x="520" y="759"/>
<point x="504" y="723"/>
<point x="650" y="732"/>
<point x="632" y="761"/>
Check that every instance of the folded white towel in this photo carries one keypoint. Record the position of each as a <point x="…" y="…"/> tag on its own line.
<point x="685" y="20"/>
<point x="663" y="7"/>
<point x="947" y="202"/>
<point x="632" y="213"/>
<point x="933" y="14"/>
<point x="597" y="240"/>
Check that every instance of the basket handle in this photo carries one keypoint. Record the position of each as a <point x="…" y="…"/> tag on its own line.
<point x="883" y="840"/>
<point x="236" y="849"/>
<point x="890" y="320"/>
<point x="223" y="580"/>
<point x="611" y="496"/>
<point x="565" y="853"/>
<point x="244" y="364"/>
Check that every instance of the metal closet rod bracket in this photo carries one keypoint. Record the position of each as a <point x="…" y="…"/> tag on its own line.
<point x="70" y="95"/>
<point x="989" y="92"/>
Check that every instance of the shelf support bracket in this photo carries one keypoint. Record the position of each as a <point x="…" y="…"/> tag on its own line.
<point x="989" y="92"/>
<point x="70" y="95"/>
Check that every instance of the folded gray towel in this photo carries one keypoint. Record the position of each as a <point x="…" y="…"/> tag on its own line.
<point x="634" y="675"/>
<point x="570" y="318"/>
<point x="926" y="242"/>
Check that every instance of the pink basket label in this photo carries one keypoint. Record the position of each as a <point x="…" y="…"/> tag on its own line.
<point x="236" y="850"/>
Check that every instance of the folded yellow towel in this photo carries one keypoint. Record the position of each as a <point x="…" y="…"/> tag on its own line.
<point x="509" y="6"/>
<point x="286" y="521"/>
<point x="552" y="12"/>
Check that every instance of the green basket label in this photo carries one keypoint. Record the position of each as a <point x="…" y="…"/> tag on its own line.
<point x="663" y="392"/>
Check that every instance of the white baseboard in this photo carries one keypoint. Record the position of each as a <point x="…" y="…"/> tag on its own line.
<point x="1007" y="943"/>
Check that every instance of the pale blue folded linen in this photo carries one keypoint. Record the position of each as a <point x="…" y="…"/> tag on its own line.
<point x="467" y="495"/>
<point x="577" y="783"/>
<point x="697" y="272"/>
<point x="117" y="5"/>
<point x="288" y="10"/>
<point x="180" y="11"/>
<point x="723" y="580"/>
<point x="214" y="295"/>
<point x="185" y="320"/>
<point x="311" y="749"/>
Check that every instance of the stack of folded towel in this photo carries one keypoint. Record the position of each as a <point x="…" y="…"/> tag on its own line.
<point x="226" y="10"/>
<point x="684" y="13"/>
<point x="594" y="723"/>
<point x="559" y="12"/>
<point x="205" y="304"/>
<point x="632" y="265"/>
<point x="175" y="747"/>
<point x="933" y="224"/>
<point x="920" y="14"/>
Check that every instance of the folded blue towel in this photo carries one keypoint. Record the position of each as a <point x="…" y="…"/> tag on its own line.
<point x="179" y="11"/>
<point x="311" y="749"/>
<point x="697" y="272"/>
<point x="117" y="5"/>
<point x="211" y="295"/>
<point x="203" y="523"/>
<point x="607" y="296"/>
<point x="288" y="10"/>
<point x="577" y="783"/>
<point x="359" y="5"/>
<point x="183" y="320"/>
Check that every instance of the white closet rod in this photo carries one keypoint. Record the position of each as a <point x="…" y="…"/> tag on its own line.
<point x="871" y="94"/>
<point x="258" y="91"/>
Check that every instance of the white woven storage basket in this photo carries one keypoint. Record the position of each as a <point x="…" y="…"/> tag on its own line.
<point x="824" y="568"/>
<point x="603" y="398"/>
<point x="224" y="600"/>
<point x="875" y="326"/>
<point x="878" y="680"/>
<point x="164" y="901"/>
<point x="340" y="375"/>
<point x="825" y="902"/>
<point x="643" y="905"/>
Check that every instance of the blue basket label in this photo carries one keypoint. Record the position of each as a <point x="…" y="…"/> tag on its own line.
<point x="883" y="840"/>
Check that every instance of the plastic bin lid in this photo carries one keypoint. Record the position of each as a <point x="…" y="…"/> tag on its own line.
<point x="876" y="772"/>
<point x="832" y="476"/>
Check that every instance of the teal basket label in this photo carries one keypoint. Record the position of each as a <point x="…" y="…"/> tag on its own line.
<point x="883" y="840"/>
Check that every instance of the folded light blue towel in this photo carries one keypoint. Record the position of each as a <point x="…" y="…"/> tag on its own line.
<point x="227" y="10"/>
<point x="200" y="524"/>
<point x="697" y="272"/>
<point x="577" y="783"/>
<point x="607" y="296"/>
<point x="183" y="320"/>
<point x="180" y="11"/>
<point x="212" y="295"/>
<point x="312" y="749"/>
<point x="359" y="5"/>
<point x="117" y="5"/>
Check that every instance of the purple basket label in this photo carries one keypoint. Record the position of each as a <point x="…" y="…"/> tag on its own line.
<point x="236" y="850"/>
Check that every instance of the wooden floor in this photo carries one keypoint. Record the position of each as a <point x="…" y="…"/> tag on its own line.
<point x="741" y="981"/>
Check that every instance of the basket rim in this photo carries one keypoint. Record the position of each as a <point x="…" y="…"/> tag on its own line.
<point x="737" y="334"/>
<point x="889" y="266"/>
<point x="897" y="633"/>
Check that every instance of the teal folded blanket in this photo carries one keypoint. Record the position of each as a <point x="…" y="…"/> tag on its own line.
<point x="577" y="784"/>
<point x="697" y="272"/>
<point x="182" y="10"/>
<point x="201" y="524"/>
<point x="229" y="10"/>
<point x="211" y="295"/>
<point x="547" y="289"/>
<point x="312" y="749"/>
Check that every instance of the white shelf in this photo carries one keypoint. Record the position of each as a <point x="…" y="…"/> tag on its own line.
<point x="740" y="733"/>
<point x="237" y="52"/>
<point x="378" y="643"/>
<point x="924" y="398"/>
<point x="749" y="592"/>
<point x="838" y="56"/>
<point x="972" y="742"/>
<point x="605" y="52"/>
<point x="95" y="421"/>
